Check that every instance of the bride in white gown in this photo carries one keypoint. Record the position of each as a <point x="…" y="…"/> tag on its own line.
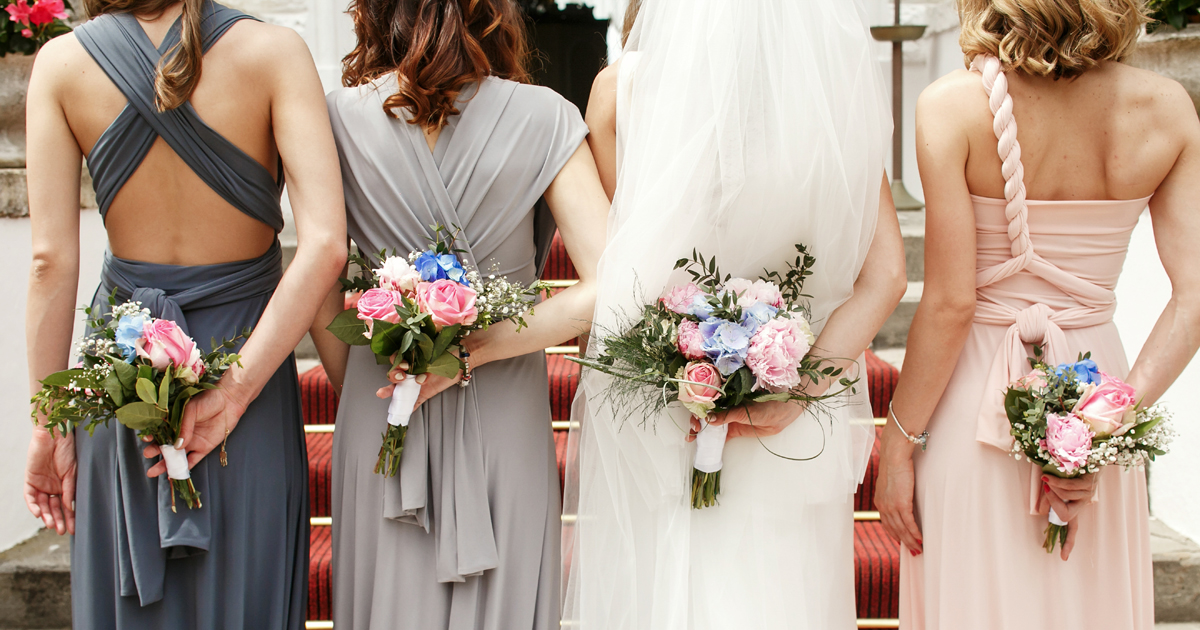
<point x="739" y="128"/>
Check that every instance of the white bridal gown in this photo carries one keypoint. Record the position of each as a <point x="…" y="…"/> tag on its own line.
<point x="743" y="129"/>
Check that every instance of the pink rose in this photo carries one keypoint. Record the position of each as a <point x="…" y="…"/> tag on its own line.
<point x="1068" y="441"/>
<point x="47" y="11"/>
<point x="1108" y="407"/>
<point x="749" y="292"/>
<point x="679" y="298"/>
<point x="1032" y="381"/>
<point x="378" y="304"/>
<point x="775" y="353"/>
<point x="164" y="344"/>
<point x="690" y="340"/>
<point x="397" y="275"/>
<point x="700" y="395"/>
<point x="449" y="303"/>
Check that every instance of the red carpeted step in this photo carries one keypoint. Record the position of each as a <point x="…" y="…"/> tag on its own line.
<point x="320" y="573"/>
<point x="881" y="383"/>
<point x="320" y="469"/>
<point x="560" y="455"/>
<point x="564" y="380"/>
<point x="318" y="400"/>
<point x="864" y="498"/>
<point x="558" y="264"/>
<point x="876" y="572"/>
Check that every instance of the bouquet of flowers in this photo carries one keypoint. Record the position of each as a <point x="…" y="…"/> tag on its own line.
<point x="1073" y="419"/>
<point x="715" y="344"/>
<point x="29" y="26"/>
<point x="414" y="311"/>
<point x="141" y="371"/>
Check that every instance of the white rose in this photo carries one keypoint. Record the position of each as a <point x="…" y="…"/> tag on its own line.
<point x="397" y="274"/>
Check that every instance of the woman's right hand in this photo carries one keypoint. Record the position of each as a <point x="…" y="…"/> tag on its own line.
<point x="50" y="480"/>
<point x="895" y="488"/>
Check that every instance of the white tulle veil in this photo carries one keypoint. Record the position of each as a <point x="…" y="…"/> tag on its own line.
<point x="749" y="126"/>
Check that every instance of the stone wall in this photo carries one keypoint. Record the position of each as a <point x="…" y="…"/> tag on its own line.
<point x="1175" y="54"/>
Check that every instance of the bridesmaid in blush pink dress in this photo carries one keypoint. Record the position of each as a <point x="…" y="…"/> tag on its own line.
<point x="1024" y="249"/>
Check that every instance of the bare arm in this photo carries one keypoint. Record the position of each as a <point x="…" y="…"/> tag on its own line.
<point x="1174" y="212"/>
<point x="334" y="352"/>
<point x="947" y="307"/>
<point x="849" y="330"/>
<point x="53" y="167"/>
<point x="602" y="126"/>
<point x="305" y="140"/>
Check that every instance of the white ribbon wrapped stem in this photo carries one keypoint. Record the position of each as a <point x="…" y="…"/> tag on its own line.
<point x="1055" y="520"/>
<point x="710" y="444"/>
<point x="404" y="398"/>
<point x="177" y="464"/>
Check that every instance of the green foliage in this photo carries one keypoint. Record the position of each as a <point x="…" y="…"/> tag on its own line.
<point x="13" y="42"/>
<point x="1176" y="13"/>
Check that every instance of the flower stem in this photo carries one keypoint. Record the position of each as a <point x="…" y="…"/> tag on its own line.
<point x="705" y="488"/>
<point x="1055" y="535"/>
<point x="388" y="463"/>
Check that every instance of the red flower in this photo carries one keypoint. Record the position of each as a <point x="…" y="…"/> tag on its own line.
<point x="46" y="11"/>
<point x="19" y="12"/>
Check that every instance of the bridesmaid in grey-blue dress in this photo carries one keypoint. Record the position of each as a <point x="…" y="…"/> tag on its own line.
<point x="467" y="535"/>
<point x="241" y="560"/>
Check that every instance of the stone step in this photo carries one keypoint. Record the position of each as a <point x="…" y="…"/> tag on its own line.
<point x="894" y="333"/>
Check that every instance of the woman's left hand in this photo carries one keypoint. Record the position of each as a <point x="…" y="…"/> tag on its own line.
<point x="758" y="419"/>
<point x="207" y="420"/>
<point x="431" y="384"/>
<point x="1068" y="497"/>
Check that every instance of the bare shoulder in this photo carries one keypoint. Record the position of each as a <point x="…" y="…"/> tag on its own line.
<point x="1164" y="100"/>
<point x="602" y="102"/>
<point x="266" y="47"/>
<point x="957" y="92"/>
<point x="62" y="59"/>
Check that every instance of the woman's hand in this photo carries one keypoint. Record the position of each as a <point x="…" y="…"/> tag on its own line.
<point x="895" y="487"/>
<point x="431" y="384"/>
<point x="1068" y="497"/>
<point x="207" y="420"/>
<point x="759" y="419"/>
<point x="50" y="480"/>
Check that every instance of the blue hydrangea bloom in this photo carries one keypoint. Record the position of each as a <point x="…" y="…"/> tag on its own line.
<point x="129" y="330"/>
<point x="729" y="363"/>
<point x="427" y="265"/>
<point x="726" y="343"/>
<point x="451" y="268"/>
<point x="1086" y="371"/>
<point x="757" y="315"/>
<point x="700" y="308"/>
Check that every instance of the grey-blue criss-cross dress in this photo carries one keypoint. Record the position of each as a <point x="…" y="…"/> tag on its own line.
<point x="466" y="536"/>
<point x="241" y="560"/>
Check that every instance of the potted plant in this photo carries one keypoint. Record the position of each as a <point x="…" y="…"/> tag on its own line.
<point x="24" y="28"/>
<point x="1177" y="13"/>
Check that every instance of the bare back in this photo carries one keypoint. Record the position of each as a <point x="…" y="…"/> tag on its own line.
<point x="165" y="213"/>
<point x="1105" y="135"/>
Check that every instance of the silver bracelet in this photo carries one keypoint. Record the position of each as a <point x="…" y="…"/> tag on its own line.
<point x="921" y="440"/>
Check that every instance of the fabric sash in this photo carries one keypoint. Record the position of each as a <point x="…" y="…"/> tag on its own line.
<point x="140" y="500"/>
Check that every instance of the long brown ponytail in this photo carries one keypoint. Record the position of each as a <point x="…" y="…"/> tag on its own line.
<point x="179" y="70"/>
<point x="436" y="48"/>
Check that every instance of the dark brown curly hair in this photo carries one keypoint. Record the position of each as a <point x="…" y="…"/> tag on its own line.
<point x="436" y="48"/>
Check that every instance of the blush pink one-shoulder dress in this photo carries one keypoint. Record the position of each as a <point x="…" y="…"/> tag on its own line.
<point x="1045" y="276"/>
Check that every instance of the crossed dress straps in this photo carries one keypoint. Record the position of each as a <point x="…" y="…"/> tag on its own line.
<point x="1037" y="324"/>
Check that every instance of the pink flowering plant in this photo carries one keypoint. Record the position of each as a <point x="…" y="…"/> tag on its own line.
<point x="714" y="344"/>
<point x="28" y="26"/>
<point x="414" y="311"/>
<point x="142" y="371"/>
<point x="1073" y="419"/>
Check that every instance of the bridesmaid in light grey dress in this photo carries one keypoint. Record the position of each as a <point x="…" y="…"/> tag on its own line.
<point x="467" y="535"/>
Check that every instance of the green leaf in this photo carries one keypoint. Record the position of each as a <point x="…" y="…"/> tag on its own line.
<point x="140" y="416"/>
<point x="65" y="378"/>
<point x="128" y="374"/>
<point x="349" y="328"/>
<point x="386" y="340"/>
<point x="164" y="392"/>
<point x="114" y="389"/>
<point x="780" y="397"/>
<point x="146" y="391"/>
<point x="445" y="338"/>
<point x="445" y="364"/>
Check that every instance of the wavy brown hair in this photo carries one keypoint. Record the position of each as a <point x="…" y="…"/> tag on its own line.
<point x="631" y="13"/>
<point x="436" y="48"/>
<point x="178" y="72"/>
<point x="1058" y="38"/>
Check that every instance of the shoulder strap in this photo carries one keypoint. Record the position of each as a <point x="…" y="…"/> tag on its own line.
<point x="121" y="48"/>
<point x="1017" y="209"/>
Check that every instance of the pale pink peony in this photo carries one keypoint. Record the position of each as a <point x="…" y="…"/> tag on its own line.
<point x="700" y="399"/>
<point x="378" y="304"/>
<point x="397" y="274"/>
<point x="46" y="11"/>
<point x="775" y="353"/>
<point x="680" y="297"/>
<point x="690" y="341"/>
<point x="750" y="292"/>
<point x="1108" y="408"/>
<point x="1068" y="441"/>
<point x="164" y="344"/>
<point x="448" y="302"/>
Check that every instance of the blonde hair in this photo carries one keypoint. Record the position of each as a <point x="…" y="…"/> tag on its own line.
<point x="631" y="13"/>
<point x="1059" y="38"/>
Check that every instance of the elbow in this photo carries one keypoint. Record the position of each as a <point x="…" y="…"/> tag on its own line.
<point x="951" y="311"/>
<point x="327" y="256"/>
<point x="51" y="267"/>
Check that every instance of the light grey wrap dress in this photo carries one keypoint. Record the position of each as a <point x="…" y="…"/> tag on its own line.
<point x="240" y="562"/>
<point x="466" y="536"/>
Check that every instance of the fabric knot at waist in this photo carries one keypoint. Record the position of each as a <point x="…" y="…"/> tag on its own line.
<point x="169" y="292"/>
